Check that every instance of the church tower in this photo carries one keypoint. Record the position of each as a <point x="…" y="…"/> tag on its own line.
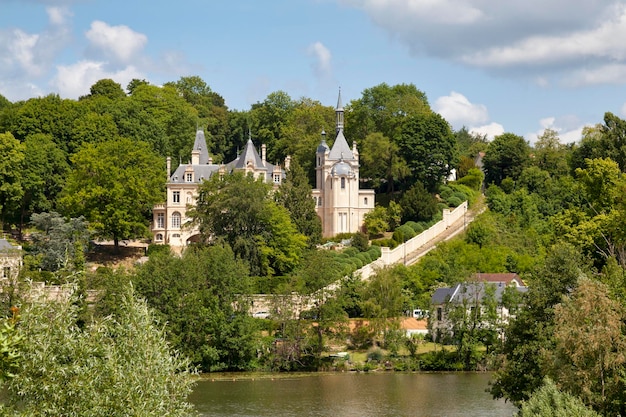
<point x="340" y="203"/>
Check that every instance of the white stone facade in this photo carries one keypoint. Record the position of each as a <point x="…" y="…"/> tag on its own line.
<point x="339" y="201"/>
<point x="170" y="222"/>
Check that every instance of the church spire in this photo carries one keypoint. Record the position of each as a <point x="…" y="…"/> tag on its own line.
<point x="339" y="113"/>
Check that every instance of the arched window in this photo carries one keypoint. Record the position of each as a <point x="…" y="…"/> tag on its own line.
<point x="159" y="237"/>
<point x="365" y="201"/>
<point x="176" y="220"/>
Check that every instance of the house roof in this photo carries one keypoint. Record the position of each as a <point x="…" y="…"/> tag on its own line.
<point x="201" y="172"/>
<point x="6" y="246"/>
<point x="200" y="145"/>
<point x="411" y="323"/>
<point x="469" y="291"/>
<point x="204" y="170"/>
<point x="249" y="154"/>
<point x="340" y="149"/>
<point x="496" y="278"/>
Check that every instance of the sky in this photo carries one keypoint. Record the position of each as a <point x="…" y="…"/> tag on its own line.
<point x="493" y="66"/>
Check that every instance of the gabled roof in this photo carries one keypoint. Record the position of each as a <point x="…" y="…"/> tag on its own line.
<point x="200" y="145"/>
<point x="6" y="246"/>
<point x="496" y="278"/>
<point x="249" y="154"/>
<point x="340" y="149"/>
<point x="469" y="291"/>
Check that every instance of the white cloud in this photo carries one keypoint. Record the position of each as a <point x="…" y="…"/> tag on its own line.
<point x="75" y="80"/>
<point x="58" y="15"/>
<point x="491" y="130"/>
<point x="459" y="112"/>
<point x="322" y="64"/>
<point x="22" y="49"/>
<point x="26" y="58"/>
<point x="538" y="39"/>
<point x="603" y="41"/>
<point x="119" y="43"/>
<point x="601" y="74"/>
<point x="569" y="128"/>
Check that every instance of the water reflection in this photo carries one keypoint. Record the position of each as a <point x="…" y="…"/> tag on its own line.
<point x="352" y="395"/>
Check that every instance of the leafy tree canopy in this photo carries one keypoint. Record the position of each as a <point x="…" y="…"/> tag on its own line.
<point x="114" y="185"/>
<point x="241" y="210"/>
<point x="120" y="365"/>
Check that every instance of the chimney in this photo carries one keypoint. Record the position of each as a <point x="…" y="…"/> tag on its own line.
<point x="263" y="150"/>
<point x="195" y="157"/>
<point x="169" y="167"/>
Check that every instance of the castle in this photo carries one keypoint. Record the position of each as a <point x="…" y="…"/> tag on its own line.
<point x="339" y="202"/>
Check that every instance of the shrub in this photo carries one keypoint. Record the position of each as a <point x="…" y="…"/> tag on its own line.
<point x="364" y="257"/>
<point x="350" y="252"/>
<point x="375" y="354"/>
<point x="454" y="201"/>
<point x="374" y="252"/>
<point x="387" y="243"/>
<point x="417" y="228"/>
<point x="403" y="233"/>
<point x="360" y="241"/>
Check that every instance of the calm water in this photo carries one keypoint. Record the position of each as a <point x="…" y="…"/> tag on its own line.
<point x="352" y="395"/>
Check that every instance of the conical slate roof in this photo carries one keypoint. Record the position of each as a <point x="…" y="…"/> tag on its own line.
<point x="249" y="154"/>
<point x="200" y="145"/>
<point x="340" y="149"/>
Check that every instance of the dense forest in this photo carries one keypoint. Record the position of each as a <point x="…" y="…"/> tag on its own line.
<point x="76" y="170"/>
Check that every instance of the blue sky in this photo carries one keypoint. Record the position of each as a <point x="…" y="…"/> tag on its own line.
<point x="494" y="66"/>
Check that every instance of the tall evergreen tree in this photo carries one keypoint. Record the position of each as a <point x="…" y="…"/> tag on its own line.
<point x="295" y="195"/>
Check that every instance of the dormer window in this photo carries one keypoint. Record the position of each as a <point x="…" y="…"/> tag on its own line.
<point x="276" y="178"/>
<point x="189" y="177"/>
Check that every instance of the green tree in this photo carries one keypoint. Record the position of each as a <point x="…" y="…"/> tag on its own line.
<point x="203" y="299"/>
<point x="589" y="355"/>
<point x="506" y="157"/>
<point x="300" y="134"/>
<point x="614" y="139"/>
<point x="549" y="401"/>
<point x="11" y="190"/>
<point x="262" y="233"/>
<point x="211" y="109"/>
<point x="48" y="115"/>
<point x="470" y="144"/>
<point x="383" y="302"/>
<point x="429" y="147"/>
<point x="43" y="174"/>
<point x="295" y="195"/>
<point x="381" y="161"/>
<point x="158" y="116"/>
<point x="114" y="185"/>
<point x="268" y="118"/>
<point x="550" y="154"/>
<point x="134" y="83"/>
<point x="418" y="204"/>
<point x="533" y="329"/>
<point x="383" y="108"/>
<point x="377" y="221"/>
<point x="59" y="244"/>
<point x="120" y="365"/>
<point x="107" y="88"/>
<point x="590" y="147"/>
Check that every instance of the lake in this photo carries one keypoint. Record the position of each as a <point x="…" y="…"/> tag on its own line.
<point x="351" y="395"/>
